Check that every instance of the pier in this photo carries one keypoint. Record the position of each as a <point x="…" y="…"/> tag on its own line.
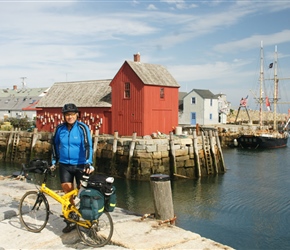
<point x="135" y="157"/>
<point x="130" y="230"/>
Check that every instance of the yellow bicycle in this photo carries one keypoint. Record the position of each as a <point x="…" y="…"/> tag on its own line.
<point x="34" y="211"/>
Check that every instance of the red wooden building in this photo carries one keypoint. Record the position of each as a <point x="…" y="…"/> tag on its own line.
<point x="144" y="99"/>
<point x="141" y="98"/>
<point x="93" y="99"/>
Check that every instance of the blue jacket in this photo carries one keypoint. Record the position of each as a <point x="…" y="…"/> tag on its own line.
<point x="73" y="146"/>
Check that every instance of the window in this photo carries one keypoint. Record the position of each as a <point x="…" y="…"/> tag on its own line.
<point x="192" y="100"/>
<point x="127" y="90"/>
<point x="162" y="93"/>
<point x="210" y="116"/>
<point x="210" y="102"/>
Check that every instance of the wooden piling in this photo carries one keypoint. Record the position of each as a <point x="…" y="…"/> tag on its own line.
<point x="220" y="151"/>
<point x="114" y="150"/>
<point x="172" y="154"/>
<point x="212" y="149"/>
<point x="162" y="197"/>
<point x="196" y="155"/>
<point x="33" y="142"/>
<point x="116" y="134"/>
<point x="131" y="152"/>
<point x="8" y="145"/>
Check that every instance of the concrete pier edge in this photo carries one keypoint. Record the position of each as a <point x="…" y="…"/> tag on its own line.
<point x="130" y="231"/>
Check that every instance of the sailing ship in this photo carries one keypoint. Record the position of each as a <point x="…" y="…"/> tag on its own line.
<point x="266" y="137"/>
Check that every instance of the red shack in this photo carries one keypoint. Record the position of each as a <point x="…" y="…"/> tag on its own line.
<point x="144" y="99"/>
<point x="93" y="99"/>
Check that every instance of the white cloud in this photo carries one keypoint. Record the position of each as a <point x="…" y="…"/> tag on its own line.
<point x="201" y="44"/>
<point x="152" y="7"/>
<point x="253" y="42"/>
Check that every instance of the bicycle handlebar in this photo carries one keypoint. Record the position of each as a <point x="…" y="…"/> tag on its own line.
<point x="37" y="166"/>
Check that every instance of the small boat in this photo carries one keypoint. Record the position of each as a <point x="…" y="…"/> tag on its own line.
<point x="266" y="137"/>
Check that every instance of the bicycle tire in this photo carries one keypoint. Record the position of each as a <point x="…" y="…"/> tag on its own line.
<point x="34" y="211"/>
<point x="100" y="233"/>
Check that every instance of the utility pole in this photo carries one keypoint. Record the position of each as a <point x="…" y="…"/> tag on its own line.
<point x="23" y="81"/>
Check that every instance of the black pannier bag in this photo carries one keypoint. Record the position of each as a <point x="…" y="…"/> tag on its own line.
<point x="37" y="166"/>
<point x="104" y="184"/>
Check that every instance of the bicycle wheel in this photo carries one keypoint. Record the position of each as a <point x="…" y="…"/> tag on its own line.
<point x="100" y="232"/>
<point x="33" y="211"/>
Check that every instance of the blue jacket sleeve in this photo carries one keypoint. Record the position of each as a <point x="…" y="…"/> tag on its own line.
<point x="90" y="142"/>
<point x="87" y="142"/>
<point x="55" y="147"/>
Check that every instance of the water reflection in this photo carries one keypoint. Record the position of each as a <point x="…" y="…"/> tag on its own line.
<point x="135" y="196"/>
<point x="201" y="196"/>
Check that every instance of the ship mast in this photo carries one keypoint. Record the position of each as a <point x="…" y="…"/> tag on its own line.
<point x="276" y="80"/>
<point x="261" y="84"/>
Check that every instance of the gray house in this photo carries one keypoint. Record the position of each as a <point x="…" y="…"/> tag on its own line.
<point x="20" y="103"/>
<point x="199" y="107"/>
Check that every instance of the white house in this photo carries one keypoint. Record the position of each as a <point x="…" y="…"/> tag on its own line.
<point x="199" y="107"/>
<point x="223" y="107"/>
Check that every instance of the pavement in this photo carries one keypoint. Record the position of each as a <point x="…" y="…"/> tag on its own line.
<point x="130" y="231"/>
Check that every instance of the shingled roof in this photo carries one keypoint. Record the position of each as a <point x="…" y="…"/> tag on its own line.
<point x="20" y="99"/>
<point x="93" y="93"/>
<point x="153" y="74"/>
<point x="23" y="92"/>
<point x="204" y="93"/>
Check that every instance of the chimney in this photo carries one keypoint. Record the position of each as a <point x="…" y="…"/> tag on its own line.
<point x="14" y="87"/>
<point x="137" y="57"/>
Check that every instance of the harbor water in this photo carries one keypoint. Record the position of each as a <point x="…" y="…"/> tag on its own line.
<point x="245" y="208"/>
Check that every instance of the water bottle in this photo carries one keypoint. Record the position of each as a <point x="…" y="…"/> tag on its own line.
<point x="110" y="179"/>
<point x="84" y="181"/>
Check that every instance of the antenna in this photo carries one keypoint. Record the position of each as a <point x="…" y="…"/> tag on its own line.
<point x="23" y="81"/>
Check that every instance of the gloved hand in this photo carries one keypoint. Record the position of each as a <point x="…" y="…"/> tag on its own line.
<point x="89" y="169"/>
<point x="52" y="168"/>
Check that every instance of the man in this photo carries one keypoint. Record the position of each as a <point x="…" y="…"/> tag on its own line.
<point x="72" y="149"/>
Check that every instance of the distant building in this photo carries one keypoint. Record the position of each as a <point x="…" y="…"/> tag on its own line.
<point x="20" y="103"/>
<point x="223" y="108"/>
<point x="199" y="107"/>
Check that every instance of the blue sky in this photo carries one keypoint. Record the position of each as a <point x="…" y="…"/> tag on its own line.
<point x="211" y="45"/>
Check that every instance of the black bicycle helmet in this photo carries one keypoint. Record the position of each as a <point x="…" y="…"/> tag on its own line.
<point x="69" y="107"/>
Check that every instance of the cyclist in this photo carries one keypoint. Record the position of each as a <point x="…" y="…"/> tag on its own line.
<point x="72" y="149"/>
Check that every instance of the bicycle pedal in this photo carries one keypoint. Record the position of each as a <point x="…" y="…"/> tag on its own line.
<point x="74" y="216"/>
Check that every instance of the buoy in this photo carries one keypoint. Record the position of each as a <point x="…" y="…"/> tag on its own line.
<point x="236" y="143"/>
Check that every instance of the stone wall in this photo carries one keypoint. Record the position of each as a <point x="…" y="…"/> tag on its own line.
<point x="21" y="146"/>
<point x="181" y="156"/>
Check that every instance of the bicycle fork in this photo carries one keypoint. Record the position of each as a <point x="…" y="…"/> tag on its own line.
<point x="41" y="198"/>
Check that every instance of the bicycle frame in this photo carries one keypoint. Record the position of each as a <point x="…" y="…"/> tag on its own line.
<point x="67" y="207"/>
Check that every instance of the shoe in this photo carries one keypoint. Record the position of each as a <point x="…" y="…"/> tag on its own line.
<point x="69" y="227"/>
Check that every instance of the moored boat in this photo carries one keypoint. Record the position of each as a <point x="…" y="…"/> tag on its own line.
<point x="264" y="140"/>
<point x="265" y="137"/>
